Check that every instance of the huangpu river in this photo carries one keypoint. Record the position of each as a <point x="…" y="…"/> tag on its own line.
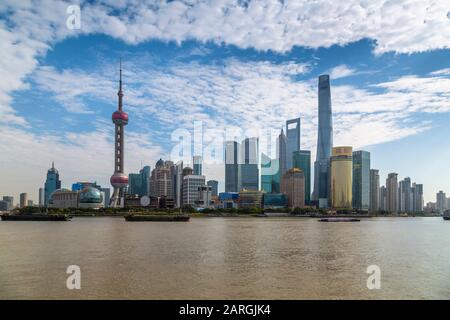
<point x="226" y="258"/>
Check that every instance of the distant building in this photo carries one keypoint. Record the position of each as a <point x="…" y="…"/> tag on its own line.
<point x="52" y="183"/>
<point x="430" y="207"/>
<point x="392" y="192"/>
<point x="301" y="159"/>
<point x="30" y="203"/>
<point x="282" y="156"/>
<point x="9" y="201"/>
<point x="248" y="165"/>
<point x="324" y="142"/>
<point x="269" y="174"/>
<point x="41" y="197"/>
<point x="161" y="184"/>
<point x="4" y="205"/>
<point x="191" y="185"/>
<point x="197" y="165"/>
<point x="341" y="177"/>
<point x="106" y="196"/>
<point x="405" y="196"/>
<point x="89" y="197"/>
<point x="417" y="192"/>
<point x="214" y="184"/>
<point x="275" y="200"/>
<point x="228" y="200"/>
<point x="250" y="199"/>
<point x="139" y="182"/>
<point x="23" y="200"/>
<point x="204" y="197"/>
<point x="232" y="166"/>
<point x="383" y="198"/>
<point x="441" y="201"/>
<point x="292" y="139"/>
<point x="177" y="179"/>
<point x="293" y="186"/>
<point x="361" y="180"/>
<point x="374" y="190"/>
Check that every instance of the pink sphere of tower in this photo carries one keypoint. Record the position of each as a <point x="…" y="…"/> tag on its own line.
<point x="120" y="117"/>
<point x="119" y="180"/>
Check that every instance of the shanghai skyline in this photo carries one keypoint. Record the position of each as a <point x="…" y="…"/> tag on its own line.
<point x="389" y="99"/>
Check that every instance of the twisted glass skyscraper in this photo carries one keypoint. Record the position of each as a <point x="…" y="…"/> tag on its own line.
<point x="324" y="141"/>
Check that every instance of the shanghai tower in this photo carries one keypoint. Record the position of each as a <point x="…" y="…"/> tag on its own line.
<point x="324" y="142"/>
<point x="119" y="179"/>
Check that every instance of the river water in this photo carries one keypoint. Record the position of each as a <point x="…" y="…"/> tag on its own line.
<point x="226" y="258"/>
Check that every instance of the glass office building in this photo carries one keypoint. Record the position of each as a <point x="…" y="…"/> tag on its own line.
<point x="302" y="160"/>
<point x="292" y="139"/>
<point x="341" y="178"/>
<point x="361" y="180"/>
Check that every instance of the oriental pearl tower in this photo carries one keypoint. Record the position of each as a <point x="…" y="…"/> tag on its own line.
<point x="119" y="180"/>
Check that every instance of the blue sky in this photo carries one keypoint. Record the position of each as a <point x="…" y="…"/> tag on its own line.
<point x="248" y="66"/>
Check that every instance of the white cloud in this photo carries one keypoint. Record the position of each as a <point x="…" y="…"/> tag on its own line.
<point x="341" y="71"/>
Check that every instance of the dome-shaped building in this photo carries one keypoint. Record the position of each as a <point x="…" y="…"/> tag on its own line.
<point x="90" y="197"/>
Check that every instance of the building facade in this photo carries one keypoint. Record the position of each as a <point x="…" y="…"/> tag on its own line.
<point x="341" y="178"/>
<point x="197" y="165"/>
<point x="232" y="166"/>
<point x="417" y="192"/>
<point x="214" y="184"/>
<point x="405" y="196"/>
<point x="292" y="139"/>
<point x="374" y="190"/>
<point x="161" y="184"/>
<point x="441" y="201"/>
<point x="23" y="200"/>
<point x="248" y="166"/>
<point x="293" y="186"/>
<point x="361" y="180"/>
<point x="392" y="192"/>
<point x="302" y="160"/>
<point x="52" y="183"/>
<point x="191" y="185"/>
<point x="324" y="141"/>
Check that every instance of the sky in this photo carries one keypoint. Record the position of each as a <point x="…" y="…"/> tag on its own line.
<point x="235" y="65"/>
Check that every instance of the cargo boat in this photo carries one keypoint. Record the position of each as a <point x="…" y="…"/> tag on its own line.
<point x="35" y="217"/>
<point x="339" y="220"/>
<point x="155" y="217"/>
<point x="446" y="215"/>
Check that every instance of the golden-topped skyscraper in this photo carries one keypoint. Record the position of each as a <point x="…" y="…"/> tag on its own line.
<point x="341" y="177"/>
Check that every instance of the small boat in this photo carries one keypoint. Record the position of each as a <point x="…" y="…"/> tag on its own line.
<point x="35" y="217"/>
<point x="446" y="215"/>
<point x="339" y="220"/>
<point x="156" y="217"/>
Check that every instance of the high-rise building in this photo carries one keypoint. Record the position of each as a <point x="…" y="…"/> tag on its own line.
<point x="293" y="140"/>
<point x="9" y="200"/>
<point x="293" y="186"/>
<point x="139" y="182"/>
<point x="374" y="190"/>
<point x="405" y="196"/>
<point x="23" y="200"/>
<point x="197" y="165"/>
<point x="30" y="203"/>
<point x="441" y="201"/>
<point x="191" y="185"/>
<point x="3" y="205"/>
<point x="324" y="141"/>
<point x="232" y="166"/>
<point x="214" y="184"/>
<point x="41" y="197"/>
<point x="392" y="192"/>
<point x="119" y="180"/>
<point x="341" y="177"/>
<point x="204" y="196"/>
<point x="383" y="198"/>
<point x="417" y="191"/>
<point x="361" y="180"/>
<point x="161" y="184"/>
<point x="282" y="154"/>
<point x="248" y="165"/>
<point x="177" y="179"/>
<point x="301" y="159"/>
<point x="106" y="196"/>
<point x="52" y="183"/>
